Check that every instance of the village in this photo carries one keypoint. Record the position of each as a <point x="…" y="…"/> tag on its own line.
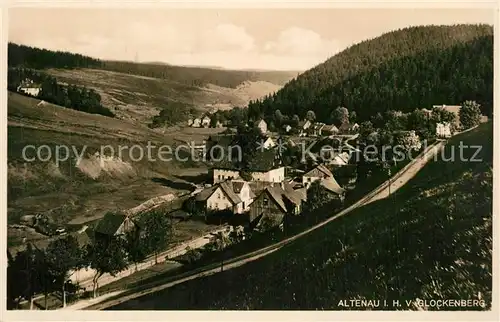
<point x="289" y="175"/>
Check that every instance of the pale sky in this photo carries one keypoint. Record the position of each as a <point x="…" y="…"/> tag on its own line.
<point x="275" y="39"/>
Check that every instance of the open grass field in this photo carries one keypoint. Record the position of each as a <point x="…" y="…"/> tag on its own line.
<point x="431" y="240"/>
<point x="139" y="98"/>
<point x="75" y="193"/>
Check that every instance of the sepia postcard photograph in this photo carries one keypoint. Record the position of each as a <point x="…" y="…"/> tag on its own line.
<point x="319" y="158"/>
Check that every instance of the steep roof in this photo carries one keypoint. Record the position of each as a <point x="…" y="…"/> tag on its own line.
<point x="206" y="193"/>
<point x="226" y="188"/>
<point x="330" y="128"/>
<point x="321" y="168"/>
<point x="258" y="122"/>
<point x="332" y="185"/>
<point x="110" y="223"/>
<point x="258" y="186"/>
<point x="237" y="186"/>
<point x="280" y="195"/>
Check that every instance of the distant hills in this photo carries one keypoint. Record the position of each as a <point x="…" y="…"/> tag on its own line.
<point x="139" y="91"/>
<point x="25" y="56"/>
<point x="401" y="70"/>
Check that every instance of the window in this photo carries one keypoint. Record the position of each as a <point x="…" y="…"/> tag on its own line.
<point x="309" y="179"/>
<point x="266" y="201"/>
<point x="243" y="206"/>
<point x="218" y="195"/>
<point x="217" y="205"/>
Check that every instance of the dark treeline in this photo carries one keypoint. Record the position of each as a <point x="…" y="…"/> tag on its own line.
<point x="71" y="96"/>
<point x="31" y="57"/>
<point x="197" y="76"/>
<point x="403" y="70"/>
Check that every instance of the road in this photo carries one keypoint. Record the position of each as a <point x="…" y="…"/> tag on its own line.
<point x="396" y="182"/>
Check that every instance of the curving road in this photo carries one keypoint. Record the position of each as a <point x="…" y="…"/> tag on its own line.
<point x="396" y="182"/>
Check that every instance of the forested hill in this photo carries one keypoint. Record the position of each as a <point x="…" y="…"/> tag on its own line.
<point x="36" y="58"/>
<point x="403" y="70"/>
<point x="31" y="57"/>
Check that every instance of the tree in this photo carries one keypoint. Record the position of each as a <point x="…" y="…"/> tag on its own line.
<point x="157" y="232"/>
<point x="311" y="116"/>
<point x="218" y="243"/>
<point x="136" y="247"/>
<point x="410" y="141"/>
<point x="64" y="255"/>
<point x="213" y="120"/>
<point x="317" y="196"/>
<point x="106" y="256"/>
<point x="248" y="139"/>
<point x="353" y="117"/>
<point x="340" y="116"/>
<point x="26" y="272"/>
<point x="470" y="114"/>
<point x="278" y="118"/>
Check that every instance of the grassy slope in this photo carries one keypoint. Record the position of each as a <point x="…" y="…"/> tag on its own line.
<point x="432" y="241"/>
<point x="139" y="98"/>
<point x="69" y="194"/>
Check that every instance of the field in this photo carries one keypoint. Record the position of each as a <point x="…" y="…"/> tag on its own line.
<point x="139" y="98"/>
<point x="74" y="193"/>
<point x="431" y="240"/>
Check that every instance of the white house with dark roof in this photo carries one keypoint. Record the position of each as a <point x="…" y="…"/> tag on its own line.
<point x="316" y="173"/>
<point x="234" y="196"/>
<point x="205" y="121"/>
<point x="196" y="122"/>
<point x="262" y="125"/>
<point x="29" y="87"/>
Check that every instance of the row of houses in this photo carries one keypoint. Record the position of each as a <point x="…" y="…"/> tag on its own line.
<point x="308" y="128"/>
<point x="268" y="194"/>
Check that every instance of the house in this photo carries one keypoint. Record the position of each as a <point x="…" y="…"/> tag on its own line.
<point x="196" y="122"/>
<point x="235" y="196"/>
<point x="218" y="124"/>
<point x="115" y="224"/>
<point x="218" y="197"/>
<point x="30" y="88"/>
<point x="265" y="166"/>
<point x="329" y="129"/>
<point x="316" y="128"/>
<point x="287" y="128"/>
<point x="443" y="130"/>
<point x="304" y="125"/>
<point x="318" y="172"/>
<point x="331" y="185"/>
<point x="483" y="119"/>
<point x="242" y="189"/>
<point x="268" y="143"/>
<point x="205" y="122"/>
<point x="338" y="159"/>
<point x="345" y="128"/>
<point x="272" y="205"/>
<point x="455" y="109"/>
<point x="190" y="122"/>
<point x="355" y="127"/>
<point x="222" y="174"/>
<point x="262" y="125"/>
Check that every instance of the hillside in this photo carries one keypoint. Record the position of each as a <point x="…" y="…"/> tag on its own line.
<point x="403" y="70"/>
<point x="138" y="91"/>
<point x="139" y="98"/>
<point x="72" y="193"/>
<point x="432" y="240"/>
